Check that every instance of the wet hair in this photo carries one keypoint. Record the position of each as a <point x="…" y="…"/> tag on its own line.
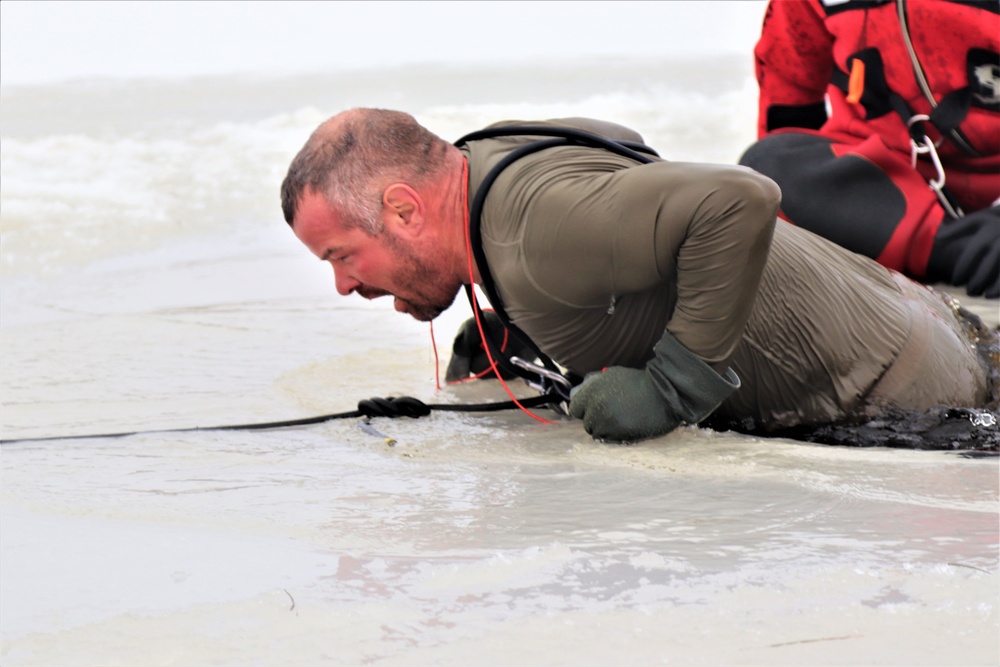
<point x="354" y="155"/>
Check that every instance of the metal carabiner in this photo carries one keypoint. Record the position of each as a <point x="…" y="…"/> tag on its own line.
<point x="982" y="419"/>
<point x="926" y="147"/>
<point x="559" y="383"/>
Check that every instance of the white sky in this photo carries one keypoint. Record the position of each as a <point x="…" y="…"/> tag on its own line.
<point x="49" y="41"/>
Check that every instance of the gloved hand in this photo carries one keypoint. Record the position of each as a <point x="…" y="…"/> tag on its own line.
<point x="469" y="356"/>
<point x="966" y="252"/>
<point x="628" y="404"/>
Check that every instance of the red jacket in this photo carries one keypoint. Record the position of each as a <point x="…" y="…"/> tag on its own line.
<point x="809" y="48"/>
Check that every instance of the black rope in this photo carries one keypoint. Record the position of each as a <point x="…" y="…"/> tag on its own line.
<point x="403" y="406"/>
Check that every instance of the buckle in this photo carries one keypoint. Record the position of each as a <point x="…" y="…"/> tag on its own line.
<point x="549" y="382"/>
<point x="926" y="147"/>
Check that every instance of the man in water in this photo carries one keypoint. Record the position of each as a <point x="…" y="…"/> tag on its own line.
<point x="670" y="286"/>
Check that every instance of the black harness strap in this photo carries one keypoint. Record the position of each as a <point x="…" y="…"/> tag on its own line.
<point x="878" y="99"/>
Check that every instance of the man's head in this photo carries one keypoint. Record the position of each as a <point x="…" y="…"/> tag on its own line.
<point x="371" y="192"/>
<point x="352" y="157"/>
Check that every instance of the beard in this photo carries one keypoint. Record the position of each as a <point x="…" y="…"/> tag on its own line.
<point x="428" y="291"/>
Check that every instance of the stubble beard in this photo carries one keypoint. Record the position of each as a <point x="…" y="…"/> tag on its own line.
<point x="431" y="291"/>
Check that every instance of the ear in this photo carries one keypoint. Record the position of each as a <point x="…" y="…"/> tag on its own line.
<point x="403" y="208"/>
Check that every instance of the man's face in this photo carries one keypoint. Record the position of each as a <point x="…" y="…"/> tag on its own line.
<point x="374" y="266"/>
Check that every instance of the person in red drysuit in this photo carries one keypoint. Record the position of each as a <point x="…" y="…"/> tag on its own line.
<point x="880" y="121"/>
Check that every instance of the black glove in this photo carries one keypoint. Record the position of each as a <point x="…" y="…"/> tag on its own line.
<point x="469" y="356"/>
<point x="628" y="404"/>
<point x="966" y="252"/>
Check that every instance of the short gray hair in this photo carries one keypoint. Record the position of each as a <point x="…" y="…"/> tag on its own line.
<point x="354" y="155"/>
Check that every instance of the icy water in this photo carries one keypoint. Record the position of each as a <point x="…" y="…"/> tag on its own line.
<point x="149" y="282"/>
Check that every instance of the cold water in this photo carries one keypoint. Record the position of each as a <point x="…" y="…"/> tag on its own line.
<point x="149" y="282"/>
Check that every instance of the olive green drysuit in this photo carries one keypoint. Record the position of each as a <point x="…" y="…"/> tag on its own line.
<point x="594" y="255"/>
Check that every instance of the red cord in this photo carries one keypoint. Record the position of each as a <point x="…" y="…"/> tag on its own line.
<point x="481" y="374"/>
<point x="475" y="304"/>
<point x="437" y="364"/>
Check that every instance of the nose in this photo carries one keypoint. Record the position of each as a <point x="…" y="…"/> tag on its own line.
<point x="345" y="283"/>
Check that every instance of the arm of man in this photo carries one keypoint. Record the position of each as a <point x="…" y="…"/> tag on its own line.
<point x="702" y="230"/>
<point x="727" y="217"/>
<point x="712" y="231"/>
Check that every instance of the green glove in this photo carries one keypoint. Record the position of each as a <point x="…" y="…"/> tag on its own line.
<point x="628" y="404"/>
